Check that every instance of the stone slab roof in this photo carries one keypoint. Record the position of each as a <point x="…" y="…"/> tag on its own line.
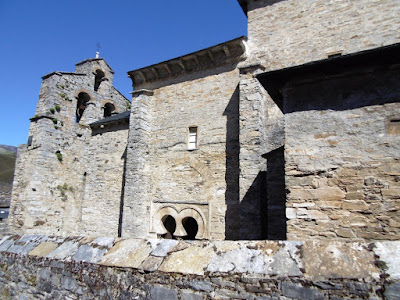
<point x="95" y="59"/>
<point x="112" y="119"/>
<point x="62" y="73"/>
<point x="273" y="81"/>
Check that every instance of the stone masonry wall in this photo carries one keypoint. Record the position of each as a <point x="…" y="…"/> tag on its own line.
<point x="50" y="178"/>
<point x="103" y="181"/>
<point x="261" y="132"/>
<point x="176" y="177"/>
<point x="49" y="267"/>
<point x="293" y="32"/>
<point x="342" y="145"/>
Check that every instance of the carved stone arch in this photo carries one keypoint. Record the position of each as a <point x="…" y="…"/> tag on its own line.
<point x="83" y="99"/>
<point x="77" y="92"/>
<point x="99" y="77"/>
<point x="192" y="212"/>
<point x="158" y="225"/>
<point x="109" y="108"/>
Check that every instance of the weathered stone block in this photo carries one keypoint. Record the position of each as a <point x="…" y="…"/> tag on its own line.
<point x="317" y="215"/>
<point x="388" y="252"/>
<point x="355" y="205"/>
<point x="158" y="292"/>
<point x="191" y="296"/>
<point x="298" y="292"/>
<point x="326" y="193"/>
<point x="43" y="249"/>
<point x="190" y="260"/>
<point x="391" y="193"/>
<point x="338" y="260"/>
<point x="128" y="253"/>
<point x="392" y="291"/>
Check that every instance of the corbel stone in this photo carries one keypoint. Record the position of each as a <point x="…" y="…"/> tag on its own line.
<point x="140" y="73"/>
<point x="180" y="63"/>
<point x="252" y="68"/>
<point x="142" y="92"/>
<point x="226" y="50"/>
<point x="168" y="69"/>
<point x="155" y="73"/>
<point x="210" y="55"/>
<point x="196" y="59"/>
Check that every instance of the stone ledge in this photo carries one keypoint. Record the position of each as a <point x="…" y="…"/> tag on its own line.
<point x="309" y="259"/>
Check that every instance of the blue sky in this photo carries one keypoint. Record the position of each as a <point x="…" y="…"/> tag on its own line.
<point x="41" y="36"/>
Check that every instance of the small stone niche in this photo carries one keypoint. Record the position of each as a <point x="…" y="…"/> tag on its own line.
<point x="393" y="125"/>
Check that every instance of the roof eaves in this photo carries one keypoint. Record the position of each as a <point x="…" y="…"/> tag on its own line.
<point x="62" y="73"/>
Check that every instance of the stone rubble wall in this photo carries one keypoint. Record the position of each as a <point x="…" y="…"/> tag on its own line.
<point x="50" y="267"/>
<point x="293" y="32"/>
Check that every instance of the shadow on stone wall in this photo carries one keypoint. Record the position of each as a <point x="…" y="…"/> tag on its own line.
<point x="261" y="213"/>
<point x="121" y="205"/>
<point x="253" y="210"/>
<point x="232" y="149"/>
<point x="276" y="195"/>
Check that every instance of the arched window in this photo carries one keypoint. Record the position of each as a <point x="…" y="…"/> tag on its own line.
<point x="81" y="104"/>
<point x="169" y="224"/>
<point x="108" y="109"/>
<point x="99" y="77"/>
<point x="191" y="228"/>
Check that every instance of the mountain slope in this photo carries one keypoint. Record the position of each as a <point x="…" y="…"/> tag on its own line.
<point x="8" y="155"/>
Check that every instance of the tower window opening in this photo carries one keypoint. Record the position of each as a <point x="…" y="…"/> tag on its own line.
<point x="109" y="108"/>
<point x="81" y="105"/>
<point x="192" y="138"/>
<point x="98" y="79"/>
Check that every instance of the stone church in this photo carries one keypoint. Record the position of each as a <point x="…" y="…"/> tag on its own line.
<point x="290" y="133"/>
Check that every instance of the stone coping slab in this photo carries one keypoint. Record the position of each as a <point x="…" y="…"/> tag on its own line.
<point x="310" y="259"/>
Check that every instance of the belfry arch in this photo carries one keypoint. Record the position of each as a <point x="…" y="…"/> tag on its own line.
<point x="109" y="109"/>
<point x="81" y="104"/>
<point x="99" y="77"/>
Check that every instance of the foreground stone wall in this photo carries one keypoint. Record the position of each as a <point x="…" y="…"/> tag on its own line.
<point x="293" y="32"/>
<point x="47" y="267"/>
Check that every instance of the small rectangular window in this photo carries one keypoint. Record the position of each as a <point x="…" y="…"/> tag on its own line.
<point x="192" y="138"/>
